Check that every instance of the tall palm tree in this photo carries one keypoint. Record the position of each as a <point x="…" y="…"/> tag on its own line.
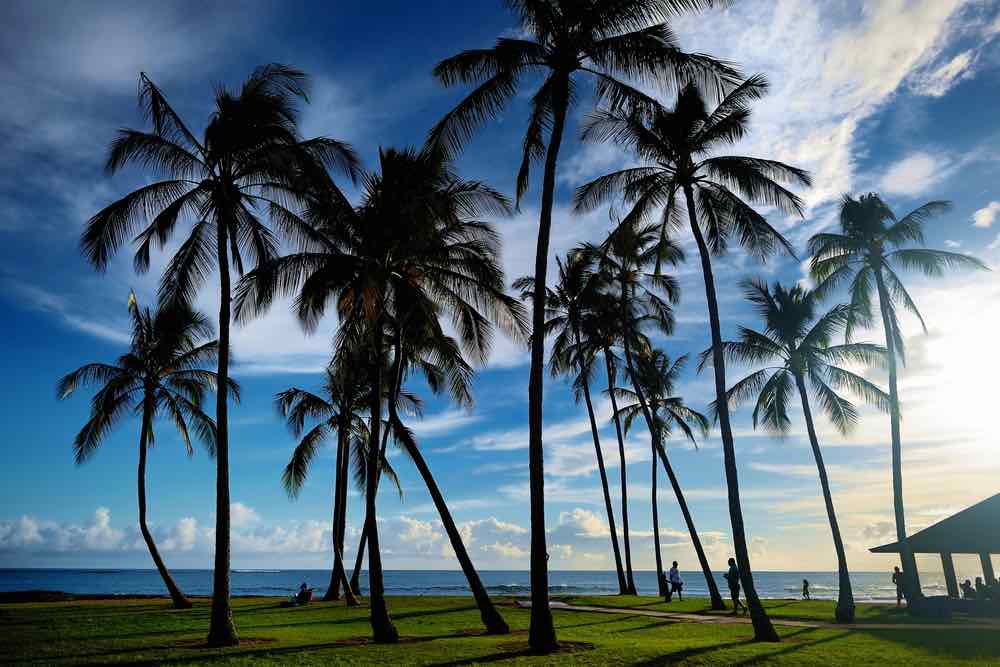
<point x="566" y="306"/>
<point x="797" y="347"/>
<point x="249" y="158"/>
<point x="339" y="411"/>
<point x="625" y="256"/>
<point x="870" y="248"/>
<point x="160" y="375"/>
<point x="676" y="147"/>
<point x="564" y="41"/>
<point x="414" y="250"/>
<point x="657" y="376"/>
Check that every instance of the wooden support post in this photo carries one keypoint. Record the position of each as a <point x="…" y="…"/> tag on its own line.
<point x="987" y="568"/>
<point x="950" y="580"/>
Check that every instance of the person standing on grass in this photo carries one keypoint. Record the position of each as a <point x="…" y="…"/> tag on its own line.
<point x="897" y="578"/>
<point x="805" y="589"/>
<point x="675" y="583"/>
<point x="733" y="579"/>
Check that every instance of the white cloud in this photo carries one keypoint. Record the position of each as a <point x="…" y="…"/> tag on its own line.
<point x="985" y="216"/>
<point x="507" y="550"/>
<point x="241" y="515"/>
<point x="952" y="243"/>
<point x="443" y="422"/>
<point x="937" y="82"/>
<point x="914" y="174"/>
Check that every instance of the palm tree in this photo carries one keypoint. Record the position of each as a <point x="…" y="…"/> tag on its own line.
<point x="412" y="251"/>
<point x="870" y="248"/>
<point x="796" y="346"/>
<point x="160" y="375"/>
<point x="249" y="158"/>
<point x="567" y="305"/>
<point x="625" y="255"/>
<point x="339" y="413"/>
<point x="676" y="147"/>
<point x="656" y="375"/>
<point x="563" y="40"/>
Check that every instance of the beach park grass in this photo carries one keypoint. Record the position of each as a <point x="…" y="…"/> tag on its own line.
<point x="447" y="631"/>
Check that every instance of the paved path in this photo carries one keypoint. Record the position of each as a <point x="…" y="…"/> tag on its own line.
<point x="745" y="620"/>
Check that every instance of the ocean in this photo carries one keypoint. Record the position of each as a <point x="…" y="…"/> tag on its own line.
<point x="867" y="586"/>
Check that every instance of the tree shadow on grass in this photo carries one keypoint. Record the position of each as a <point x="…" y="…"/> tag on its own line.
<point x="693" y="652"/>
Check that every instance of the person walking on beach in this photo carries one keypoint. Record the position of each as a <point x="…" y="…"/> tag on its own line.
<point x="897" y="578"/>
<point x="805" y="589"/>
<point x="733" y="579"/>
<point x="675" y="582"/>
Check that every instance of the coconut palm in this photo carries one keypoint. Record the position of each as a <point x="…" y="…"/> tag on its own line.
<point x="676" y="146"/>
<point x="159" y="376"/>
<point x="625" y="257"/>
<point x="248" y="159"/>
<point x="339" y="413"/>
<point x="563" y="43"/>
<point x="867" y="253"/>
<point x="798" y="351"/>
<point x="657" y="376"/>
<point x="566" y="306"/>
<point x="414" y="250"/>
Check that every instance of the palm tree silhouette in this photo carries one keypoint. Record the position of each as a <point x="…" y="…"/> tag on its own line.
<point x="624" y="256"/>
<point x="869" y="249"/>
<point x="676" y="147"/>
<point x="567" y="306"/>
<point x="655" y="378"/>
<point x="796" y="346"/>
<point x="160" y="375"/>
<point x="346" y="396"/>
<point x="414" y="250"/>
<point x="249" y="158"/>
<point x="610" y="42"/>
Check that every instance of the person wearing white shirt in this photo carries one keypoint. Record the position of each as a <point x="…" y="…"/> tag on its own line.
<point x="675" y="582"/>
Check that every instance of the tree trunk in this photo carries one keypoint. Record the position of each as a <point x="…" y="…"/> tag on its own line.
<point x="911" y="585"/>
<point x="622" y="589"/>
<point x="343" y="477"/>
<point x="656" y="533"/>
<point x="763" y="630"/>
<point x="384" y="632"/>
<point x="541" y="632"/>
<point x="180" y="602"/>
<point x="629" y="578"/>
<point x="336" y="572"/>
<point x="222" y="629"/>
<point x="359" y="560"/>
<point x="845" y="598"/>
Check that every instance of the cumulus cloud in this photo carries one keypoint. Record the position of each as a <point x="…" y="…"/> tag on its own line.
<point x="985" y="216"/>
<point x="241" y="515"/>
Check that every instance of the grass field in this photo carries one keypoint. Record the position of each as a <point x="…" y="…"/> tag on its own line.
<point x="446" y="631"/>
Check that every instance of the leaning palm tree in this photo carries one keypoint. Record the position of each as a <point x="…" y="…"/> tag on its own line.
<point x="797" y="348"/>
<point x="566" y="307"/>
<point x="160" y="375"/>
<point x="625" y="257"/>
<point x="870" y="248"/>
<point x="676" y="146"/>
<point x="655" y="377"/>
<point x="249" y="158"/>
<point x="414" y="250"/>
<point x="564" y="42"/>
<point x="338" y="411"/>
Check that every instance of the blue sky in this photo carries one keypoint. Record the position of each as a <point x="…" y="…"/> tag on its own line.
<point x="895" y="96"/>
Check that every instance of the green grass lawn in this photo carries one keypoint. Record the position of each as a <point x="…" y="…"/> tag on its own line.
<point x="799" y="610"/>
<point x="443" y="631"/>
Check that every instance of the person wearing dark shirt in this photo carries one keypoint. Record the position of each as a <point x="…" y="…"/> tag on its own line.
<point x="968" y="592"/>
<point x="733" y="579"/>
<point x="897" y="578"/>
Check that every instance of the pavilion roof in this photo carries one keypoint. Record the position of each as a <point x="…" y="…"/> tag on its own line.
<point x="974" y="530"/>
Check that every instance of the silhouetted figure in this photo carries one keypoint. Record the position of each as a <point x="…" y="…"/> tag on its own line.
<point x="665" y="587"/>
<point x="733" y="579"/>
<point x="968" y="592"/>
<point x="305" y="594"/>
<point x="805" y="589"/>
<point x="981" y="591"/>
<point x="897" y="578"/>
<point x="676" y="585"/>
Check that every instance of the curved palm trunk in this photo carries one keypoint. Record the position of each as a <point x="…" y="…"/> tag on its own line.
<point x="845" y="598"/>
<point x="180" y="602"/>
<point x="622" y="588"/>
<point x="911" y="583"/>
<point x="343" y="477"/>
<point x="222" y="629"/>
<point x="763" y="630"/>
<point x="383" y="631"/>
<point x="338" y="575"/>
<point x="630" y="579"/>
<point x="541" y="632"/>
<point x="656" y="534"/>
<point x="360" y="559"/>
